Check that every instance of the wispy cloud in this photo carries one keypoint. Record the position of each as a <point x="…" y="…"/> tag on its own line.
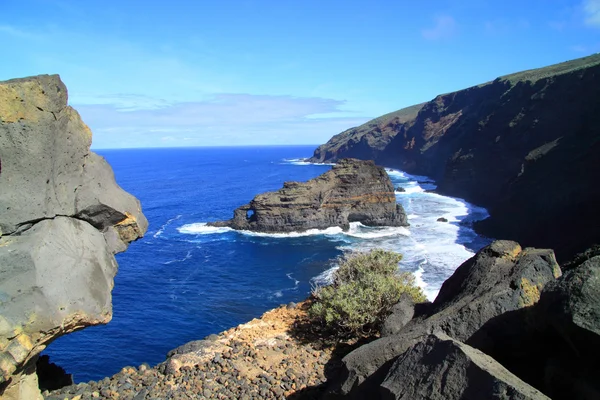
<point x="18" y="33"/>
<point x="504" y="26"/>
<point x="235" y="119"/>
<point x="579" y="48"/>
<point x="445" y="27"/>
<point x="591" y="9"/>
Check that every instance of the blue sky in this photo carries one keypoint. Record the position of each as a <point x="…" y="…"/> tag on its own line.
<point x="207" y="72"/>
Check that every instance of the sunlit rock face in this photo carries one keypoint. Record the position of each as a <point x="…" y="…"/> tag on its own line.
<point x="352" y="191"/>
<point x="62" y="219"/>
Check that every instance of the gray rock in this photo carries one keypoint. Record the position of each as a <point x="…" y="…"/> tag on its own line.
<point x="500" y="278"/>
<point x="56" y="278"/>
<point x="401" y="313"/>
<point x="569" y="316"/>
<point x="438" y="367"/>
<point x="352" y="191"/>
<point x="62" y="217"/>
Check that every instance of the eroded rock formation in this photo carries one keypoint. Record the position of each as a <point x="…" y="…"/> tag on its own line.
<point x="352" y="191"/>
<point x="62" y="219"/>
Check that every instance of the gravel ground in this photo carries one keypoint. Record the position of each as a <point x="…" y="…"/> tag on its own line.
<point x="273" y="357"/>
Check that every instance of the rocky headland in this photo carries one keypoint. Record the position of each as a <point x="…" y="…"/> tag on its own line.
<point x="524" y="146"/>
<point x="62" y="219"/>
<point x="352" y="191"/>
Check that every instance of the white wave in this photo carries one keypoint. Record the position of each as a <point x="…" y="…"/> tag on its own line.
<point x="325" y="277"/>
<point x="412" y="189"/>
<point x="296" y="281"/>
<point x="359" y="230"/>
<point x="302" y="161"/>
<point x="394" y="173"/>
<point x="200" y="228"/>
<point x="162" y="228"/>
<point x="310" y="232"/>
<point x="187" y="257"/>
<point x="412" y="216"/>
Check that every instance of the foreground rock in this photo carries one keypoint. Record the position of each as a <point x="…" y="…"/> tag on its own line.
<point x="352" y="191"/>
<point x="524" y="146"/>
<point x="501" y="278"/>
<point x="439" y="367"/>
<point x="62" y="218"/>
<point x="267" y="358"/>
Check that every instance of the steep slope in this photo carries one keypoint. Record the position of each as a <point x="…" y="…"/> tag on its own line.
<point x="368" y="140"/>
<point x="524" y="145"/>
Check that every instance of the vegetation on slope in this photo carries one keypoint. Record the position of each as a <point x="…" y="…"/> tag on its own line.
<point x="364" y="289"/>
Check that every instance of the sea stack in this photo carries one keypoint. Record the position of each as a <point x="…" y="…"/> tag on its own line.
<point x="352" y="191"/>
<point x="62" y="219"/>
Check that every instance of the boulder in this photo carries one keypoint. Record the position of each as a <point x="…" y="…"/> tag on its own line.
<point x="439" y="367"/>
<point x="569" y="311"/>
<point x="352" y="191"/>
<point x="62" y="219"/>
<point x="442" y="219"/>
<point x="401" y="313"/>
<point x="501" y="278"/>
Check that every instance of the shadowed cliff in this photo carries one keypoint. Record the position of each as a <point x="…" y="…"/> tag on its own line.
<point x="524" y="146"/>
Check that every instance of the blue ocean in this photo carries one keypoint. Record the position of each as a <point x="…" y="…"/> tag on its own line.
<point x="185" y="280"/>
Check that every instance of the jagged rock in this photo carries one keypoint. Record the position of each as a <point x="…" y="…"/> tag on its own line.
<point x="570" y="307"/>
<point x="499" y="279"/>
<point x="352" y="191"/>
<point x="524" y="146"/>
<point x="62" y="218"/>
<point x="400" y="189"/>
<point x="439" y="367"/>
<point x="401" y="313"/>
<point x="442" y="219"/>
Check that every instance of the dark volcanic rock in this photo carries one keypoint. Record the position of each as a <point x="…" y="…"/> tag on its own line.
<point x="569" y="309"/>
<point x="352" y="191"/>
<point x="499" y="279"/>
<point x="62" y="219"/>
<point x="439" y="367"/>
<point x="401" y="313"/>
<point x="524" y="146"/>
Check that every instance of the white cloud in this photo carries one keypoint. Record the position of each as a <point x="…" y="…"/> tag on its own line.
<point x="591" y="10"/>
<point x="445" y="26"/>
<point x="225" y="119"/>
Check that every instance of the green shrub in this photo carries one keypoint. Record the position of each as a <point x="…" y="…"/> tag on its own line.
<point x="365" y="287"/>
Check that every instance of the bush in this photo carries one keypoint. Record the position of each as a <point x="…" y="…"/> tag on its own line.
<point x="365" y="287"/>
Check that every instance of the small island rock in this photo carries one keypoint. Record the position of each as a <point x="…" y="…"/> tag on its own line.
<point x="352" y="191"/>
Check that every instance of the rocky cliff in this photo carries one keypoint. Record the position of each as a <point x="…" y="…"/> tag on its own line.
<point x="352" y="191"/>
<point x="62" y="219"/>
<point x="524" y="146"/>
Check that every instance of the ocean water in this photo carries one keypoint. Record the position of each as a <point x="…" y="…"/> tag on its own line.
<point x="185" y="280"/>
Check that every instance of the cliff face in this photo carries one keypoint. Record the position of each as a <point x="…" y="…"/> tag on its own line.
<point x="524" y="146"/>
<point x="62" y="218"/>
<point x="352" y="191"/>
